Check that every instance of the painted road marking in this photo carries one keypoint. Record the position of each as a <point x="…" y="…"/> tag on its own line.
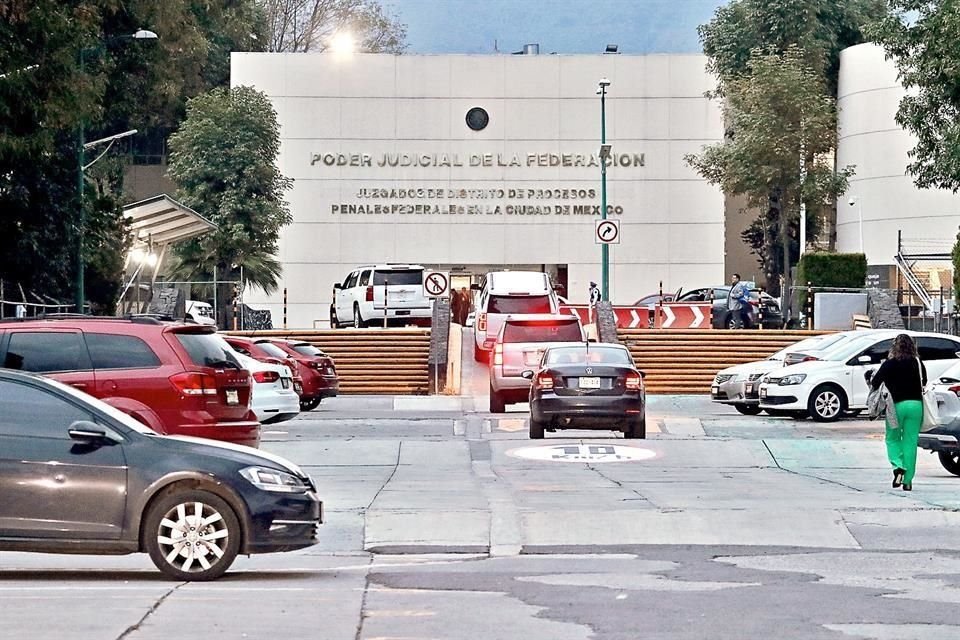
<point x="514" y="425"/>
<point x="583" y="452"/>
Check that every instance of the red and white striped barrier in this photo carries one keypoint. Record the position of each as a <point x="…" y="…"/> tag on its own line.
<point x="670" y="315"/>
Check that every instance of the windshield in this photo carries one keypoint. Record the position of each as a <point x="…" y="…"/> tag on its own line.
<point x="848" y="349"/>
<point x="584" y="355"/>
<point x="812" y="344"/>
<point x="398" y="277"/>
<point x="307" y="350"/>
<point x="519" y="304"/>
<point x="208" y="350"/>
<point x="547" y="331"/>
<point x="273" y="350"/>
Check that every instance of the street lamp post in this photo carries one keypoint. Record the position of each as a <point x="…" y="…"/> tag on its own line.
<point x="82" y="146"/>
<point x="604" y="156"/>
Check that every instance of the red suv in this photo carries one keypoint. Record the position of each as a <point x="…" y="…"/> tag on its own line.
<point x="316" y="368"/>
<point x="173" y="377"/>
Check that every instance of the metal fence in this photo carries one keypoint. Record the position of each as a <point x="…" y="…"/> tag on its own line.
<point x="15" y="302"/>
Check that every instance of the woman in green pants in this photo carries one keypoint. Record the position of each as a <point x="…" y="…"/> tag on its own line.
<point x="905" y="377"/>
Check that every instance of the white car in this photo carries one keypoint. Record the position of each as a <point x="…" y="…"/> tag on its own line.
<point x="372" y="293"/>
<point x="740" y="385"/>
<point x="945" y="439"/>
<point x="273" y="398"/>
<point x="828" y="388"/>
<point x="199" y="312"/>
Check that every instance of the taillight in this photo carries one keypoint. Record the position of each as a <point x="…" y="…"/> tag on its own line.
<point x="192" y="383"/>
<point x="956" y="389"/>
<point x="266" y="376"/>
<point x="482" y="322"/>
<point x="633" y="381"/>
<point x="544" y="380"/>
<point x="369" y="294"/>
<point x="498" y="354"/>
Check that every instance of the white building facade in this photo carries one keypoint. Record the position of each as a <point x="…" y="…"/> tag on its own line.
<point x="884" y="199"/>
<point x="388" y="167"/>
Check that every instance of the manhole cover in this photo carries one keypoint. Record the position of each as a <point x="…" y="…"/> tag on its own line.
<point x="585" y="452"/>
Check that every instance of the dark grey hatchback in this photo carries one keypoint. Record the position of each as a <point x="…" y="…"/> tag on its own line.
<point x="78" y="476"/>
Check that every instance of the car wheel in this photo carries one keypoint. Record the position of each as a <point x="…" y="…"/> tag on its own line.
<point x="950" y="461"/>
<point x="636" y="429"/>
<point x="827" y="403"/>
<point x="309" y="404"/>
<point x="191" y="535"/>
<point x="536" y="429"/>
<point x="748" y="409"/>
<point x="358" y="322"/>
<point x="729" y="322"/>
<point x="497" y="403"/>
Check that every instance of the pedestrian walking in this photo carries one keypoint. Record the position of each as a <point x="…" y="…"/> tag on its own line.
<point x="738" y="303"/>
<point x="456" y="307"/>
<point x="594" y="294"/>
<point x="904" y="376"/>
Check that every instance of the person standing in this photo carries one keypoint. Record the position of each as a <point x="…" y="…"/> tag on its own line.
<point x="905" y="377"/>
<point x="594" y="294"/>
<point x="737" y="301"/>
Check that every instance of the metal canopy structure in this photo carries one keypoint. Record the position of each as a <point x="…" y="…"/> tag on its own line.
<point x="156" y="224"/>
<point x="161" y="220"/>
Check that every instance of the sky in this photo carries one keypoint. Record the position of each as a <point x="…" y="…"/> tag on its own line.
<point x="558" y="26"/>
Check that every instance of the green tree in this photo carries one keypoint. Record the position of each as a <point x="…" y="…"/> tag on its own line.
<point x="956" y="269"/>
<point x="921" y="36"/>
<point x="223" y="159"/>
<point x="779" y="113"/>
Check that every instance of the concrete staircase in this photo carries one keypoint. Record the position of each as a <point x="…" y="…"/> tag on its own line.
<point x="686" y="361"/>
<point x="372" y="361"/>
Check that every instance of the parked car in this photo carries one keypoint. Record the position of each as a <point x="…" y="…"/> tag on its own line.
<point x="199" y="312"/>
<point x="373" y="292"/>
<point x="723" y="319"/>
<point x="317" y="370"/>
<point x="945" y="439"/>
<point x="269" y="354"/>
<point x="79" y="476"/>
<point x="828" y="388"/>
<point x="273" y="398"/>
<point x="174" y="377"/>
<point x="503" y="293"/>
<point x="739" y="385"/>
<point x="587" y="386"/>
<point x="653" y="299"/>
<point x="521" y="342"/>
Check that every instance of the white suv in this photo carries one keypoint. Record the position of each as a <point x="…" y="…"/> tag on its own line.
<point x="373" y="292"/>
<point x="509" y="292"/>
<point x="826" y="388"/>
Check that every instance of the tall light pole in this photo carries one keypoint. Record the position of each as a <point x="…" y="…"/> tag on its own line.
<point x="604" y="156"/>
<point x="79" y="293"/>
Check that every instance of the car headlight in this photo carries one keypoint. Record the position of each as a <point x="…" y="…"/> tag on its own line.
<point x="793" y="378"/>
<point x="273" y="480"/>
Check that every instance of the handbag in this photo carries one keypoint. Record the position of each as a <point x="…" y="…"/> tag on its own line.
<point x="931" y="412"/>
<point x="877" y="403"/>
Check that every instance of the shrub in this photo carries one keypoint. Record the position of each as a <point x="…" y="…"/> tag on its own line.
<point x="840" y="270"/>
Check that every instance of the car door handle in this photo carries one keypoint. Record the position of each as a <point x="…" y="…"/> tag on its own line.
<point x="79" y="385"/>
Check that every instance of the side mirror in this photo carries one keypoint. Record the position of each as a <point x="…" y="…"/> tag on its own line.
<point x="865" y="359"/>
<point x="527" y="375"/>
<point x="89" y="433"/>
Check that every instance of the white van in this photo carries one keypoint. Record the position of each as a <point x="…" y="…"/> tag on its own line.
<point x="509" y="292"/>
<point x="370" y="292"/>
<point x="199" y="312"/>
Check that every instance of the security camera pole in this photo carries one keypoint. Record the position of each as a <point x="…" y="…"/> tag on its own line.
<point x="604" y="156"/>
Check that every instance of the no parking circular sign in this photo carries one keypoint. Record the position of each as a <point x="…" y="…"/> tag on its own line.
<point x="436" y="284"/>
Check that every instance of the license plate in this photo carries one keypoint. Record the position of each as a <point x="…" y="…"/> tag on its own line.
<point x="763" y="392"/>
<point x="285" y="383"/>
<point x="750" y="388"/>
<point x="298" y="388"/>
<point x="233" y="396"/>
<point x="715" y="390"/>
<point x="589" y="383"/>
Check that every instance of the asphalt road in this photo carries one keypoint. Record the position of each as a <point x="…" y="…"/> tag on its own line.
<point x="446" y="522"/>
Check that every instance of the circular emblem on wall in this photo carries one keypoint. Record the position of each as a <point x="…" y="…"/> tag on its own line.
<point x="478" y="118"/>
<point x="583" y="452"/>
